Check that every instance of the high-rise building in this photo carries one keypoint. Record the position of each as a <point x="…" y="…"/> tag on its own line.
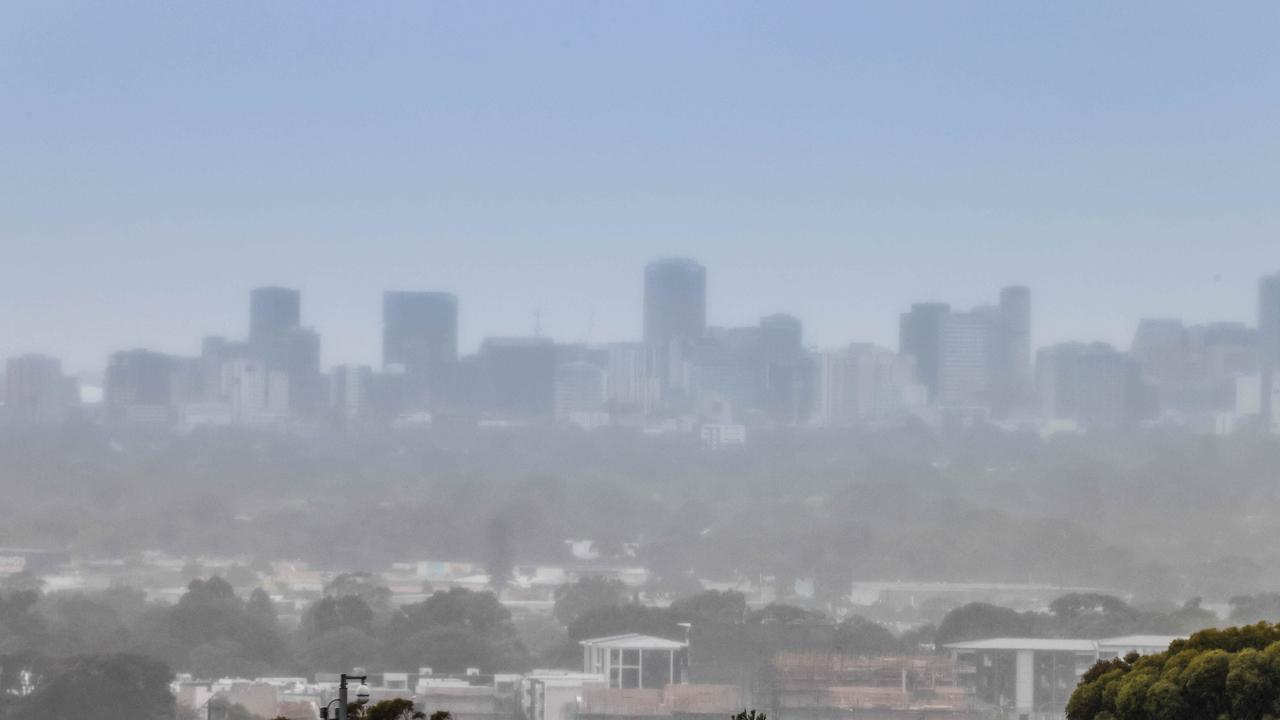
<point x="1269" y="343"/>
<point x="675" y="314"/>
<point x="1092" y="384"/>
<point x="920" y="338"/>
<point x="580" y="386"/>
<point x="350" y="394"/>
<point x="277" y="338"/>
<point x="783" y="364"/>
<point x="865" y="384"/>
<point x="517" y="376"/>
<point x="629" y="385"/>
<point x="273" y="311"/>
<point x="964" y="371"/>
<point x="36" y="392"/>
<point x="258" y="394"/>
<point x="1011" y="355"/>
<point x="139" y="387"/>
<point x="420" y="334"/>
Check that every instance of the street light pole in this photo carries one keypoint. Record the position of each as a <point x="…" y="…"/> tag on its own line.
<point x="362" y="692"/>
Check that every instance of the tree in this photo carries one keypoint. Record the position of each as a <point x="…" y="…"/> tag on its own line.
<point x="619" y="619"/>
<point x="1233" y="673"/>
<point x="750" y="715"/>
<point x="785" y="614"/>
<point x="120" y="685"/>
<point x="455" y="630"/>
<point x="588" y="593"/>
<point x="330" y="613"/>
<point x="364" y="585"/>
<point x="860" y="636"/>
<point x="393" y="709"/>
<point x="977" y="621"/>
<point x="728" y="606"/>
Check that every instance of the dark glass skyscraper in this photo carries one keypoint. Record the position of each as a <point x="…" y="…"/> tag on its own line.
<point x="920" y="335"/>
<point x="277" y="338"/>
<point x="273" y="311"/>
<point x="675" y="312"/>
<point x="419" y="331"/>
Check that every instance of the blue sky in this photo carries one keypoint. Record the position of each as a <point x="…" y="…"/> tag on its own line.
<point x="834" y="160"/>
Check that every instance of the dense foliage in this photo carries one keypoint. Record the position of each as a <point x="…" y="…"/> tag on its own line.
<point x="1193" y="512"/>
<point x="1232" y="673"/>
<point x="213" y="632"/>
<point x="1076" y="615"/>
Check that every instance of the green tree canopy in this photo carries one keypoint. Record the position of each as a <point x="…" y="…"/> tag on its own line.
<point x="1230" y="673"/>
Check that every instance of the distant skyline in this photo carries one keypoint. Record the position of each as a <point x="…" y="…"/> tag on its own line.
<point x="834" y="161"/>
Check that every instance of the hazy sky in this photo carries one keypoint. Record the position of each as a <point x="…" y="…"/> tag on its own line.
<point x="837" y="161"/>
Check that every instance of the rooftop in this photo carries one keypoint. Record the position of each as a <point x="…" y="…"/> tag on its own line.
<point x="635" y="641"/>
<point x="1041" y="644"/>
<point x="1140" y="641"/>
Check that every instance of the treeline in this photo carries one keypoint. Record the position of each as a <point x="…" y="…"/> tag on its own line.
<point x="1157" y="515"/>
<point x="212" y="632"/>
<point x="1076" y="615"/>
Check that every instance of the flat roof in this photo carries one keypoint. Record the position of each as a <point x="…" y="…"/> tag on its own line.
<point x="635" y="641"/>
<point x="1140" y="641"/>
<point x="1042" y="644"/>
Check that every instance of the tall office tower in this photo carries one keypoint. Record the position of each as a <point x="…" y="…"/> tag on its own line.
<point x="725" y="371"/>
<point x="277" y="338"/>
<point x="273" y="311"/>
<point x="675" y="314"/>
<point x="629" y="385"/>
<point x="964" y="372"/>
<point x="1269" y="343"/>
<point x="920" y="338"/>
<point x="517" y="376"/>
<point x="139" y="387"/>
<point x="420" y="332"/>
<point x="783" y="363"/>
<point x="1093" y="384"/>
<point x="214" y="353"/>
<point x="36" y="392"/>
<point x="1161" y="348"/>
<point x="1011" y="351"/>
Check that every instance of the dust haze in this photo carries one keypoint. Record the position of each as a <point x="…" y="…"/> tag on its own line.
<point x="585" y="363"/>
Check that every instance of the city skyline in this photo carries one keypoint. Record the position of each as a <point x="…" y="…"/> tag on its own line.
<point x="837" y="165"/>
<point x="85" y="366"/>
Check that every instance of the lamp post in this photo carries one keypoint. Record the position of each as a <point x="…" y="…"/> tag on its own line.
<point x="362" y="692"/>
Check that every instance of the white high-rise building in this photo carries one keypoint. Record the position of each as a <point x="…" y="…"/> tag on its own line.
<point x="865" y="384"/>
<point x="964" y="375"/>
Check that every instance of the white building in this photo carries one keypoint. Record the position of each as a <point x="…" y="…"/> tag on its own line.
<point x="636" y="661"/>
<point x="1033" y="678"/>
<point x="865" y="384"/>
